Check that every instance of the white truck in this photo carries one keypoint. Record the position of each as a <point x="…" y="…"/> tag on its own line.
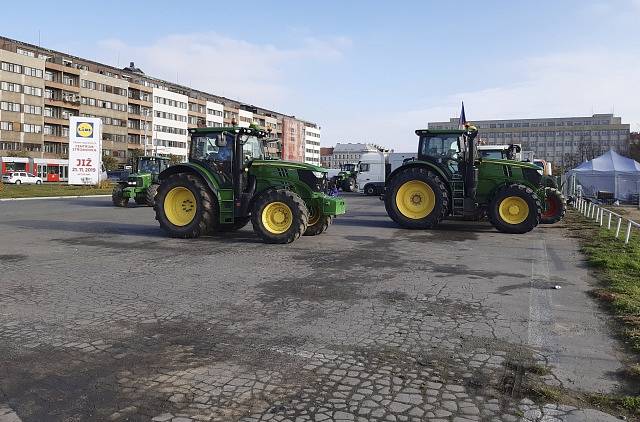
<point x="374" y="167"/>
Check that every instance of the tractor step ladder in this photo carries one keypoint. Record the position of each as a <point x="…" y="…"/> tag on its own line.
<point x="457" y="201"/>
<point x="226" y="206"/>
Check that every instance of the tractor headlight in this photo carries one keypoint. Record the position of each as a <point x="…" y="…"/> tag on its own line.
<point x="540" y="172"/>
<point x="318" y="174"/>
<point x="131" y="183"/>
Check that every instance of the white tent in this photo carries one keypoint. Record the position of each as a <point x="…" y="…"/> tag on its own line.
<point x="611" y="172"/>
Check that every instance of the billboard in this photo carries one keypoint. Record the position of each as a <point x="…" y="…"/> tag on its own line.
<point x="85" y="150"/>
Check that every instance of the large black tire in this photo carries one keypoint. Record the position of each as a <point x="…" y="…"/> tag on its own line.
<point x="524" y="219"/>
<point x="294" y="210"/>
<point x="317" y="224"/>
<point x="238" y="223"/>
<point x="140" y="200"/>
<point x="349" y="185"/>
<point x="150" y="195"/>
<point x="555" y="207"/>
<point x="427" y="184"/>
<point x="117" y="196"/>
<point x="190" y="219"/>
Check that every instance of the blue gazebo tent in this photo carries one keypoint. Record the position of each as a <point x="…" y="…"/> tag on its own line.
<point x="610" y="172"/>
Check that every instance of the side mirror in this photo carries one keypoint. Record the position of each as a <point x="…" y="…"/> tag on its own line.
<point x="221" y="142"/>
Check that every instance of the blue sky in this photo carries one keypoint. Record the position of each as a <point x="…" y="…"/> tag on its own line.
<point x="366" y="70"/>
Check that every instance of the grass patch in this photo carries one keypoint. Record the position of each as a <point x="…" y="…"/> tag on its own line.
<point x="618" y="268"/>
<point x="52" y="189"/>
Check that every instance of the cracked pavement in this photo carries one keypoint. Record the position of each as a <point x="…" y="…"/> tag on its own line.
<point x="104" y="318"/>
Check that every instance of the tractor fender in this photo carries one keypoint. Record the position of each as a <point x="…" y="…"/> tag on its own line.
<point x="200" y="171"/>
<point x="416" y="163"/>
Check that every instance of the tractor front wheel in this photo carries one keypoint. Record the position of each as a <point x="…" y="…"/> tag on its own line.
<point x="117" y="196"/>
<point x="555" y="206"/>
<point x="318" y="223"/>
<point x="185" y="207"/>
<point x="279" y="216"/>
<point x="350" y="185"/>
<point x="150" y="194"/>
<point x="515" y="209"/>
<point x="416" y="198"/>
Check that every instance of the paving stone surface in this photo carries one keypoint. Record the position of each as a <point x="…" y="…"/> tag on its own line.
<point x="104" y="318"/>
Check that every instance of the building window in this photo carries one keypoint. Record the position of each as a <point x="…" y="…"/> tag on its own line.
<point x="7" y="106"/>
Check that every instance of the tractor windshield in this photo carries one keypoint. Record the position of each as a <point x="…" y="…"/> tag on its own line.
<point x="149" y="165"/>
<point x="445" y="147"/>
<point x="252" y="148"/>
<point x="499" y="155"/>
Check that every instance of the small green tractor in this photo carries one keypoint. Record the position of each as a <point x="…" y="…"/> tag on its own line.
<point x="346" y="179"/>
<point x="450" y="179"/>
<point x="142" y="185"/>
<point x="228" y="181"/>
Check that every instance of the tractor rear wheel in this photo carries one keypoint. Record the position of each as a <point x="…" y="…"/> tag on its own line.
<point x="185" y="207"/>
<point x="318" y="223"/>
<point x="279" y="216"/>
<point x="515" y="209"/>
<point x="416" y="198"/>
<point x="350" y="185"/>
<point x="555" y="206"/>
<point x="117" y="196"/>
<point x="150" y="194"/>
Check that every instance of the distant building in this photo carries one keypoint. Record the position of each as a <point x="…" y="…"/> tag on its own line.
<point x="325" y="156"/>
<point x="344" y="153"/>
<point x="312" y="143"/>
<point x="561" y="140"/>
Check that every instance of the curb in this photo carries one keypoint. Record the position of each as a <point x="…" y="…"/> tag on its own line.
<point x="54" y="197"/>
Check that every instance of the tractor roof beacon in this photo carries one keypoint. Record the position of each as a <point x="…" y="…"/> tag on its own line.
<point x="142" y="185"/>
<point x="229" y="181"/>
<point x="450" y="178"/>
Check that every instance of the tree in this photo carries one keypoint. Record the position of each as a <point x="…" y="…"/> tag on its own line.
<point x="133" y="156"/>
<point x="634" y="146"/>
<point x="174" y="159"/>
<point x="110" y="162"/>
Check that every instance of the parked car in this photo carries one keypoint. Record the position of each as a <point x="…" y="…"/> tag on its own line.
<point x="19" y="177"/>
<point x="117" y="175"/>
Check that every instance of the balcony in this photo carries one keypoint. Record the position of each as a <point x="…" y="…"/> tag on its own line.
<point x="59" y="120"/>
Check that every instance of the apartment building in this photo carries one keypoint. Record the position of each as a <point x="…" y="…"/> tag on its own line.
<point x="344" y="153"/>
<point x="41" y="88"/>
<point x="560" y="140"/>
<point x="312" y="143"/>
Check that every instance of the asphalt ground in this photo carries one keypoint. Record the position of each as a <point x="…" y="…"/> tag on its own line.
<point x="102" y="317"/>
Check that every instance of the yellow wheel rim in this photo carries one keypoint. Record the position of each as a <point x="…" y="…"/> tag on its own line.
<point x="277" y="217"/>
<point x="513" y="210"/>
<point x="180" y="206"/>
<point x="314" y="216"/>
<point x="415" y="199"/>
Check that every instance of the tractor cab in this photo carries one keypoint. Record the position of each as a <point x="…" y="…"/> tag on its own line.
<point x="151" y="165"/>
<point x="348" y="168"/>
<point x="455" y="153"/>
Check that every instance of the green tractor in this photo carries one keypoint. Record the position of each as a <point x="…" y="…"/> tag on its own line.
<point x="228" y="182"/>
<point x="142" y="185"/>
<point x="346" y="179"/>
<point x="450" y="179"/>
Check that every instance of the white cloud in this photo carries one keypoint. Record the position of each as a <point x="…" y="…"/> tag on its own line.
<point x="571" y="84"/>
<point x="254" y="73"/>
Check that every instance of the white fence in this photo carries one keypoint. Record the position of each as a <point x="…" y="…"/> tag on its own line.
<point x="600" y="215"/>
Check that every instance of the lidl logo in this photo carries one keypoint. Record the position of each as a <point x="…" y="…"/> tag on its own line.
<point x="84" y="130"/>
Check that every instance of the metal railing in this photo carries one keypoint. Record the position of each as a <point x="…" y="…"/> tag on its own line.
<point x="599" y="214"/>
